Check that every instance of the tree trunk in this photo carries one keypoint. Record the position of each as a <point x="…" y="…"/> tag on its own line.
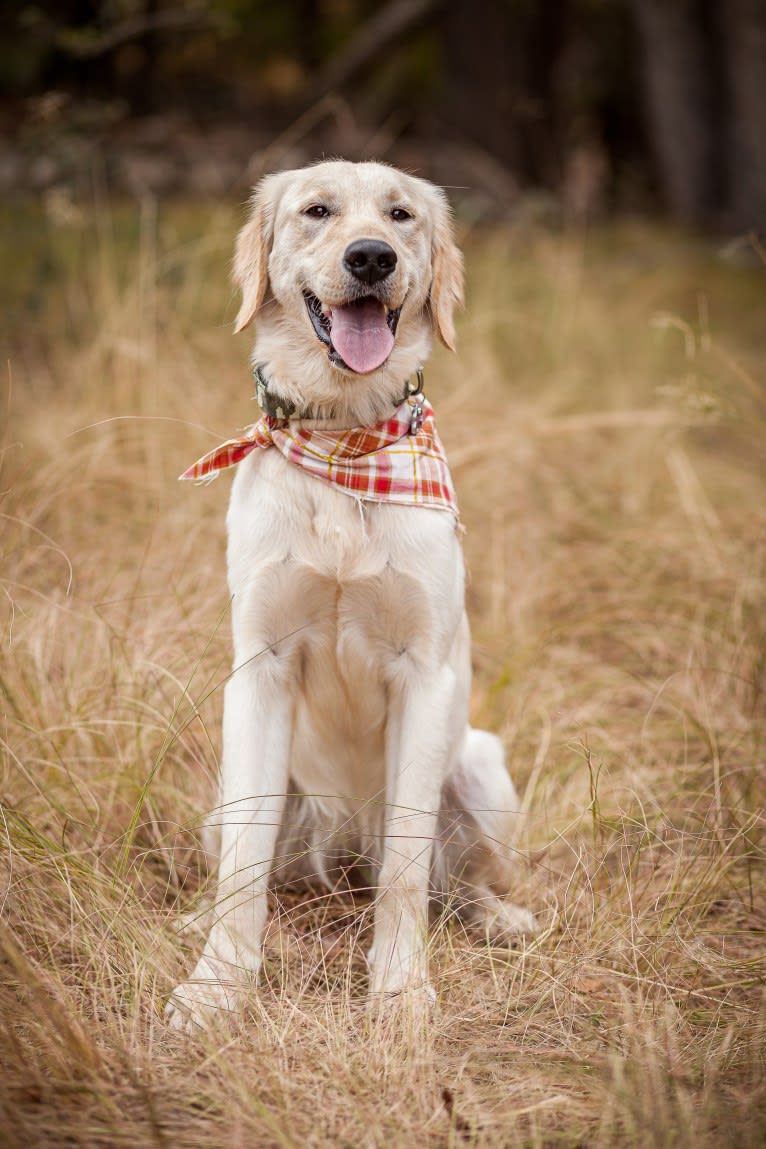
<point x="744" y="38"/>
<point x="679" y="109"/>
<point x="477" y="84"/>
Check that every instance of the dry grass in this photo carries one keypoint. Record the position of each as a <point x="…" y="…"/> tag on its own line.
<point x="616" y="547"/>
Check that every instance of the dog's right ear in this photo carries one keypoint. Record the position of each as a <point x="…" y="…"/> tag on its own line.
<point x="250" y="270"/>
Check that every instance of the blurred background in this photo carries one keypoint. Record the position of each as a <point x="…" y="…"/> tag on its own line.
<point x="566" y="110"/>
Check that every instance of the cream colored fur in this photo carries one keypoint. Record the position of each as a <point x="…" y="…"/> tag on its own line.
<point x="346" y="718"/>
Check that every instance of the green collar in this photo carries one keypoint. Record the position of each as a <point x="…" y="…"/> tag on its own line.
<point x="277" y="407"/>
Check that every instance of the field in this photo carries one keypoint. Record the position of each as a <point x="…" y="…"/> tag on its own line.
<point x="605" y="419"/>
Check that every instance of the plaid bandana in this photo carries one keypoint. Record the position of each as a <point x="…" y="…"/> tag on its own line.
<point x="396" y="461"/>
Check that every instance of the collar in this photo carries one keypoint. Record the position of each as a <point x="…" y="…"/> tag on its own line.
<point x="277" y="407"/>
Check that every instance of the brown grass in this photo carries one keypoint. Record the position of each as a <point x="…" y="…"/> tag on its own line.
<point x="616" y="548"/>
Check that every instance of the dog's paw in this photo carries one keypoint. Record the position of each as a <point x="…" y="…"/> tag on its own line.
<point x="197" y="921"/>
<point x="209" y="996"/>
<point x="506" y="922"/>
<point x="402" y="984"/>
<point x="411" y="1003"/>
<point x="499" y="921"/>
<point x="402" y="1016"/>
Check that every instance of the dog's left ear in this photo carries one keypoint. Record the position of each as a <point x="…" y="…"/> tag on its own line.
<point x="447" y="275"/>
<point x="250" y="270"/>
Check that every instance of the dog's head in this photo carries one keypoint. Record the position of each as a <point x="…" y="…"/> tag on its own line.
<point x="353" y="263"/>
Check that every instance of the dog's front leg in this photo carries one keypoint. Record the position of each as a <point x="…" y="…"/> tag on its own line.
<point x="417" y="737"/>
<point x="256" y="748"/>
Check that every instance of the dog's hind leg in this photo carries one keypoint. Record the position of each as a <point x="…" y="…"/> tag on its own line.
<point x="475" y="863"/>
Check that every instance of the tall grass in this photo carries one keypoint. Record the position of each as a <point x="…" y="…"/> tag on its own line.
<point x="605" y="421"/>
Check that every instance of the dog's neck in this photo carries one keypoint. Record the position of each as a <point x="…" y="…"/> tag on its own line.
<point x="300" y="379"/>
<point x="277" y="406"/>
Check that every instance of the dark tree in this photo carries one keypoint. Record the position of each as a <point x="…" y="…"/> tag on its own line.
<point x="744" y="42"/>
<point x="704" y="69"/>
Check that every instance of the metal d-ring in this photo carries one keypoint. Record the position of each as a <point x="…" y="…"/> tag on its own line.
<point x="416" y="401"/>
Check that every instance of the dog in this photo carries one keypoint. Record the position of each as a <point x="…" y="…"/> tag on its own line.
<point x="345" y="728"/>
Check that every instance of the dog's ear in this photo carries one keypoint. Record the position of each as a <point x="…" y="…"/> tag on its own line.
<point x="251" y="255"/>
<point x="447" y="275"/>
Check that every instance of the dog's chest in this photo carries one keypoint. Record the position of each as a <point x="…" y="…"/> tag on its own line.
<point x="313" y="568"/>
<point x="351" y="600"/>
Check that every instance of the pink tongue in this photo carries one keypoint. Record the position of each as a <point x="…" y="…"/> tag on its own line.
<point x="361" y="335"/>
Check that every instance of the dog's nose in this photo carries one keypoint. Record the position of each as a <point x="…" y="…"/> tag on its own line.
<point x="369" y="260"/>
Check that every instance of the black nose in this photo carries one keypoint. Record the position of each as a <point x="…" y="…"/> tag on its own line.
<point x="369" y="260"/>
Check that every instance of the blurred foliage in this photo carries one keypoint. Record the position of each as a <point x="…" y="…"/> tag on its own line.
<point x="110" y="40"/>
<point x="605" y="103"/>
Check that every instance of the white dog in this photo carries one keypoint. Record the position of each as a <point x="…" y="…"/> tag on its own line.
<point x="345" y="719"/>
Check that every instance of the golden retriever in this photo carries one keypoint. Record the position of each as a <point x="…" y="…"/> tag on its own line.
<point x="346" y="717"/>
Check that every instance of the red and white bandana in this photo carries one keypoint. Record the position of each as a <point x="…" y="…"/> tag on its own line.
<point x="385" y="463"/>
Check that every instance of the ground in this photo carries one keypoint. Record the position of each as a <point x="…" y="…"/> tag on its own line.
<point x="605" y="423"/>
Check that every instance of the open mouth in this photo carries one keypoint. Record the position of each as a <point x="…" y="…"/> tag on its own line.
<point x="359" y="336"/>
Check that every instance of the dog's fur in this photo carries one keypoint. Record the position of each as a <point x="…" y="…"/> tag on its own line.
<point x="345" y="719"/>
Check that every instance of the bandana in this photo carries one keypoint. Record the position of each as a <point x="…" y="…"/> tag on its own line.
<point x="395" y="461"/>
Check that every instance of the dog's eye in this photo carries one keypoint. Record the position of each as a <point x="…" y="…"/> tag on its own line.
<point x="317" y="211"/>
<point x="400" y="214"/>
